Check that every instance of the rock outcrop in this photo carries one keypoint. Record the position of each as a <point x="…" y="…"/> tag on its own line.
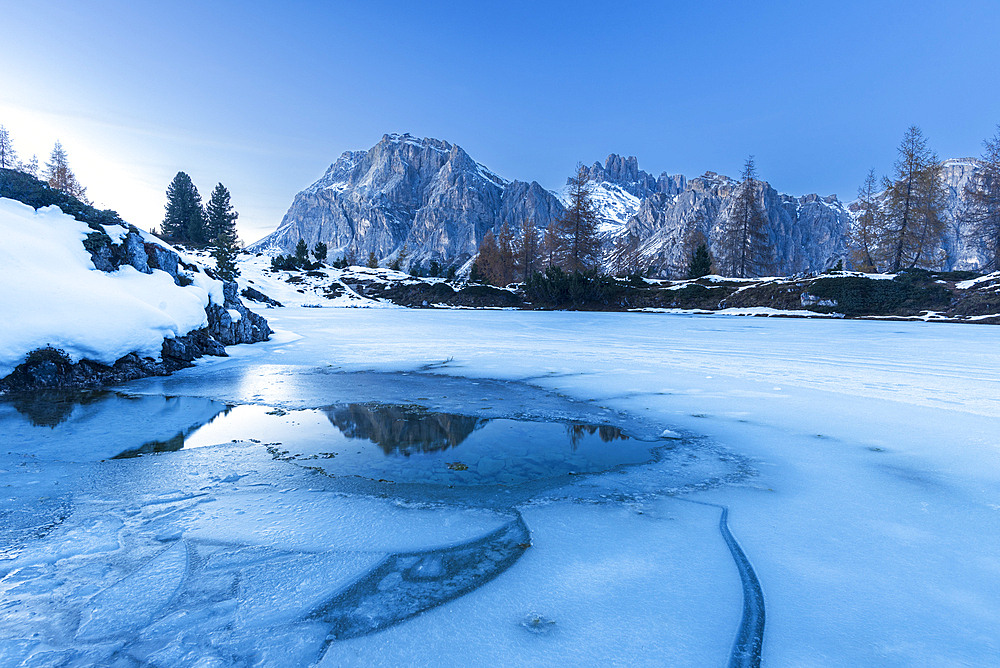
<point x="113" y="245"/>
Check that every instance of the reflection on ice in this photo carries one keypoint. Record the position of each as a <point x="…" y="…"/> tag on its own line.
<point x="240" y="553"/>
<point x="409" y="444"/>
<point x="90" y="426"/>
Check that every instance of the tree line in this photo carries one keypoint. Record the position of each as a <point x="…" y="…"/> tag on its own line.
<point x="57" y="173"/>
<point x="901" y="219"/>
<point x="188" y="221"/>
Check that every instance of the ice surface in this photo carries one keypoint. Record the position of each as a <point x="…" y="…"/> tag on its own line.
<point x="870" y="520"/>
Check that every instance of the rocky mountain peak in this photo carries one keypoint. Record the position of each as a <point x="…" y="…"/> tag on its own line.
<point x="426" y="194"/>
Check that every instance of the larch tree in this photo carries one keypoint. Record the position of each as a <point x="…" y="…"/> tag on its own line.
<point x="745" y="234"/>
<point x="59" y="175"/>
<point x="577" y="229"/>
<point x="982" y="195"/>
<point x="864" y="237"/>
<point x="527" y="250"/>
<point x="8" y="156"/>
<point x="551" y="246"/>
<point x="914" y="205"/>
<point x="489" y="263"/>
<point x="185" y="216"/>
<point x="30" y="167"/>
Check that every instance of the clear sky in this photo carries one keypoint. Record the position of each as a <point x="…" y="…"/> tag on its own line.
<point x="263" y="96"/>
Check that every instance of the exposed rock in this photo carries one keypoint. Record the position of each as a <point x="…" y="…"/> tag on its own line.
<point x="805" y="234"/>
<point x="161" y="258"/>
<point x="48" y="368"/>
<point x="259" y="297"/>
<point x="135" y="253"/>
<point x="425" y="193"/>
<point x="233" y="322"/>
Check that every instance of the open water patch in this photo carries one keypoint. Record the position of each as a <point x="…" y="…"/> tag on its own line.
<point x="410" y="444"/>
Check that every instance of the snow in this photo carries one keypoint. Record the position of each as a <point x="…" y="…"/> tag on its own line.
<point x="973" y="282"/>
<point x="54" y="296"/>
<point x="867" y="507"/>
<point x="615" y="206"/>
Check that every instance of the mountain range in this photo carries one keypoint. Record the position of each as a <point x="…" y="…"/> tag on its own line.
<point x="432" y="198"/>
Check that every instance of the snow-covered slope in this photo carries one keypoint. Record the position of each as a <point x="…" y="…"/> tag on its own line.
<point x="54" y="296"/>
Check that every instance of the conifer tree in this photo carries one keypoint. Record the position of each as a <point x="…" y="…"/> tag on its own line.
<point x="319" y="251"/>
<point x="8" y="156"/>
<point x="225" y="250"/>
<point x="864" y="236"/>
<point x="982" y="195"/>
<point x="577" y="229"/>
<point x="915" y="201"/>
<point x="552" y="246"/>
<point x="489" y="264"/>
<point x="397" y="263"/>
<point x="59" y="175"/>
<point x="301" y="253"/>
<point x="745" y="234"/>
<point x="31" y="167"/>
<point x="220" y="217"/>
<point x="185" y="216"/>
<point x="701" y="263"/>
<point x="372" y="260"/>
<point x="527" y="251"/>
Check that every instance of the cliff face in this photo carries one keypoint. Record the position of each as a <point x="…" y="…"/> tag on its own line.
<point x="804" y="233"/>
<point x="424" y="193"/>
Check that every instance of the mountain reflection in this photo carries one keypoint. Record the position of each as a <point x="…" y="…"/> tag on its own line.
<point x="607" y="433"/>
<point x="403" y="430"/>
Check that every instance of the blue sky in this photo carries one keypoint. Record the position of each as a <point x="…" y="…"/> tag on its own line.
<point x="263" y="96"/>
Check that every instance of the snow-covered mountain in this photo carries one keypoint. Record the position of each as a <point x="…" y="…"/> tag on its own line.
<point x="424" y="193"/>
<point x="433" y="197"/>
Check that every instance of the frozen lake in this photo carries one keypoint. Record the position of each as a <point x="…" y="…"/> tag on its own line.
<point x="859" y="462"/>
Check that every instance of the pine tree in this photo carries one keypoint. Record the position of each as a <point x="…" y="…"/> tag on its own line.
<point x="8" y="156"/>
<point x="982" y="195"/>
<point x="865" y="234"/>
<point x="577" y="229"/>
<point x="319" y="251"/>
<point x="745" y="234"/>
<point x="301" y="253"/>
<point x="225" y="250"/>
<point x="220" y="217"/>
<point x="59" y="175"/>
<point x="185" y="216"/>
<point x="914" y="205"/>
<point x="372" y="260"/>
<point x="701" y="263"/>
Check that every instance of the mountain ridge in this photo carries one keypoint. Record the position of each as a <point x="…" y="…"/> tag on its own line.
<point x="431" y="197"/>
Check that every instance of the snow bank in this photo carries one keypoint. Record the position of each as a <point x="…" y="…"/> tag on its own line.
<point x="53" y="295"/>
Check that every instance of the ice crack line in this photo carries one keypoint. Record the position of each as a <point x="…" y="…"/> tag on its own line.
<point x="750" y="635"/>
<point x="405" y="584"/>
